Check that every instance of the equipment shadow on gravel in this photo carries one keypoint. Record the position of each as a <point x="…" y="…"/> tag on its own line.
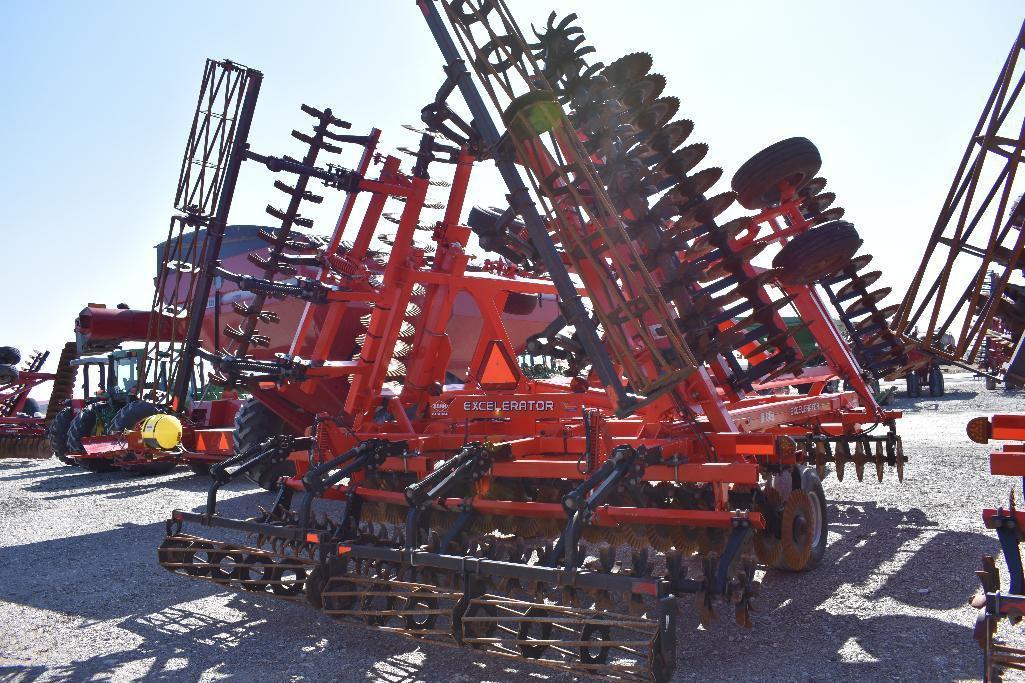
<point x="13" y="470"/>
<point x="77" y="482"/>
<point x="923" y="403"/>
<point x="847" y="615"/>
<point x="76" y="574"/>
<point x="184" y="642"/>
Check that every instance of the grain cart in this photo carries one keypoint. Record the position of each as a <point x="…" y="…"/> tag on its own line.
<point x="561" y="520"/>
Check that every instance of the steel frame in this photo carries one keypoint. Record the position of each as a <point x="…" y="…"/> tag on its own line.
<point x="986" y="188"/>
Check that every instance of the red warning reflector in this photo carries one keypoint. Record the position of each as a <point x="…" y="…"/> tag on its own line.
<point x="498" y="370"/>
<point x="342" y="549"/>
<point x="313" y="538"/>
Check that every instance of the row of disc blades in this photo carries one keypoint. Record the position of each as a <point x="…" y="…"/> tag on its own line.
<point x="875" y="346"/>
<point x="648" y="167"/>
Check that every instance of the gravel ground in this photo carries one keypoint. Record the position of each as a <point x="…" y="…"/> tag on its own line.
<point x="82" y="596"/>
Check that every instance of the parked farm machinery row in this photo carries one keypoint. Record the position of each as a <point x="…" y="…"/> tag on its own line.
<point x="424" y="484"/>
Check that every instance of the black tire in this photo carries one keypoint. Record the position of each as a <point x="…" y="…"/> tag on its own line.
<point x="812" y="485"/>
<point x="817" y="253"/>
<point x="794" y="161"/>
<point x="84" y="424"/>
<point x="991" y="383"/>
<point x="254" y="424"/>
<point x="914" y="384"/>
<point x="935" y="381"/>
<point x="57" y="435"/>
<point x="130" y="415"/>
<point x="8" y="373"/>
<point x="30" y="407"/>
<point x="9" y="355"/>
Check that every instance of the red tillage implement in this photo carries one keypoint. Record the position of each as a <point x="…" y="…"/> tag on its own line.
<point x="561" y="519"/>
<point x="994" y="603"/>
<point x="22" y="427"/>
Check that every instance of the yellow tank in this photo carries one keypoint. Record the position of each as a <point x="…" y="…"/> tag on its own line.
<point x="161" y="431"/>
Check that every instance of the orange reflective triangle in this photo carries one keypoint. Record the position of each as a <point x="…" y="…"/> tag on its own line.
<point x="498" y="370"/>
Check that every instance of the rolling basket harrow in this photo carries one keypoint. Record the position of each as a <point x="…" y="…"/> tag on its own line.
<point x="445" y="495"/>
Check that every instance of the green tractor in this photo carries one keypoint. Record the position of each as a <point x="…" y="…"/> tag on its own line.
<point x="108" y="407"/>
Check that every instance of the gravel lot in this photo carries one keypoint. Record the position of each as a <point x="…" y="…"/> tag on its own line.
<point x="82" y="596"/>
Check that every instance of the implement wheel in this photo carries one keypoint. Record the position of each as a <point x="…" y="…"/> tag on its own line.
<point x="936" y="381"/>
<point x="817" y="253"/>
<point x="791" y="162"/>
<point x="914" y="384"/>
<point x="9" y="355"/>
<point x="805" y="527"/>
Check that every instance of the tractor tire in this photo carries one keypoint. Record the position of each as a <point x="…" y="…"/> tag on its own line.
<point x="254" y="424"/>
<point x="935" y="381"/>
<point x="130" y="415"/>
<point x="84" y="424"/>
<point x="816" y="253"/>
<point x="9" y="355"/>
<point x="914" y="384"/>
<point x="57" y="435"/>
<point x="8" y="373"/>
<point x="793" y="161"/>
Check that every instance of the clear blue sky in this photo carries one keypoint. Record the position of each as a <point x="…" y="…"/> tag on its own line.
<point x="97" y="98"/>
